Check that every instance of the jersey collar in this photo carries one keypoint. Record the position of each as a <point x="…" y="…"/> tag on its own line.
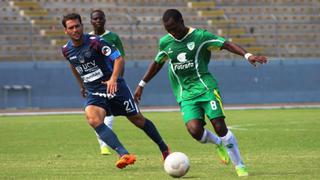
<point x="189" y="32"/>
<point x="105" y="32"/>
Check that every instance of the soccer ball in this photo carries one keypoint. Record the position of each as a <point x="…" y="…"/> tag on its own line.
<point x="176" y="164"/>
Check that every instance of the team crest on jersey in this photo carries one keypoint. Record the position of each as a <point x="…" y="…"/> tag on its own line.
<point x="190" y="46"/>
<point x="81" y="59"/>
<point x="87" y="54"/>
<point x="106" y="50"/>
<point x="182" y="57"/>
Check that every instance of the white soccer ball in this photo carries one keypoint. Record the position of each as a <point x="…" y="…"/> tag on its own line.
<point x="177" y="164"/>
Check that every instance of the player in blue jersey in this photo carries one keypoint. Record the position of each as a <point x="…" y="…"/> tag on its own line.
<point x="98" y="21"/>
<point x="96" y="65"/>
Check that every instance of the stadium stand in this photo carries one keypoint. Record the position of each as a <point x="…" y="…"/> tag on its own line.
<point x="32" y="30"/>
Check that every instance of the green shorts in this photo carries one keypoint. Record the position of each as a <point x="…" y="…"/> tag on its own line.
<point x="208" y="104"/>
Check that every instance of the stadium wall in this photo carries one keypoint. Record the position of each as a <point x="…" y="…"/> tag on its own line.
<point x="53" y="86"/>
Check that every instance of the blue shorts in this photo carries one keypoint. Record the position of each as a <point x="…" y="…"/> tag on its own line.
<point x="122" y="104"/>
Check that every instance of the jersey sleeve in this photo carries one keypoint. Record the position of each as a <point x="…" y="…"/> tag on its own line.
<point x="162" y="55"/>
<point x="214" y="42"/>
<point x="118" y="44"/>
<point x="108" y="50"/>
<point x="64" y="50"/>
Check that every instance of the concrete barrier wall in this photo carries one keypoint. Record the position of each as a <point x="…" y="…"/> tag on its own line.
<point x="53" y="86"/>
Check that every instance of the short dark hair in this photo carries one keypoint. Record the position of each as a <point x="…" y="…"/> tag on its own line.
<point x="98" y="11"/>
<point x="70" y="16"/>
<point x="172" y="13"/>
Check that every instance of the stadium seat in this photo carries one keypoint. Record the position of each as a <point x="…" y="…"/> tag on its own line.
<point x="201" y="4"/>
<point x="294" y="24"/>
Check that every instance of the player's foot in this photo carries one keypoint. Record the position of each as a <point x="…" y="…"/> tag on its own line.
<point x="105" y="150"/>
<point x="242" y="171"/>
<point x="223" y="154"/>
<point x="125" y="160"/>
<point x="165" y="154"/>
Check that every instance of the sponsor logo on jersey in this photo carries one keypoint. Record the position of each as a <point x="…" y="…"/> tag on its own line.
<point x="92" y="76"/>
<point x="89" y="66"/>
<point x="182" y="57"/>
<point x="190" y="46"/>
<point x="73" y="57"/>
<point x="170" y="51"/>
<point x="79" y="69"/>
<point x="184" y="63"/>
<point x="106" y="50"/>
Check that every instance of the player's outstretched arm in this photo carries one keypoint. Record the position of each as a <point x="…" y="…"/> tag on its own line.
<point x="153" y="69"/>
<point x="236" y="49"/>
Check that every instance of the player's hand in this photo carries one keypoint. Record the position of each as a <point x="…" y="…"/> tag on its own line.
<point x="137" y="94"/>
<point x="112" y="86"/>
<point x="257" y="59"/>
<point x="83" y="92"/>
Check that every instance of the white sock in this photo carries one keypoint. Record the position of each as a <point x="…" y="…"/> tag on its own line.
<point x="108" y="121"/>
<point x="230" y="142"/>
<point x="209" y="137"/>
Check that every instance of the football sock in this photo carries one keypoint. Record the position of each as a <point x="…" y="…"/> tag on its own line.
<point x="209" y="137"/>
<point x="108" y="121"/>
<point x="101" y="143"/>
<point x="150" y="129"/>
<point x="110" y="138"/>
<point x="230" y="142"/>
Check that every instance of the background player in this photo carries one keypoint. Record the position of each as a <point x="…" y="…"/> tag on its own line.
<point x="98" y="21"/>
<point x="96" y="66"/>
<point x="188" y="51"/>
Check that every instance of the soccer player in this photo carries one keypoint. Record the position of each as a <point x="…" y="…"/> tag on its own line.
<point x="188" y="51"/>
<point x="97" y="65"/>
<point x="98" y="21"/>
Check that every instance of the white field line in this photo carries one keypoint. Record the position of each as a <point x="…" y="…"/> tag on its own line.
<point x="157" y="109"/>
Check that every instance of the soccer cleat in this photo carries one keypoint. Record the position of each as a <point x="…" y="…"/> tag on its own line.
<point x="105" y="150"/>
<point x="125" y="160"/>
<point x="242" y="171"/>
<point x="223" y="154"/>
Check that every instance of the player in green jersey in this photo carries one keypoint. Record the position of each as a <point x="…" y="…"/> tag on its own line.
<point x="188" y="51"/>
<point x="98" y="21"/>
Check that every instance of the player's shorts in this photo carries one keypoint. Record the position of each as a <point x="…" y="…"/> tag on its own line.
<point x="208" y="104"/>
<point x="122" y="104"/>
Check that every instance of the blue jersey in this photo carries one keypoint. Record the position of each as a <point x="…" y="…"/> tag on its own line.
<point x="93" y="60"/>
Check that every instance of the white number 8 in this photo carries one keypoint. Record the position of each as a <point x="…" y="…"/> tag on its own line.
<point x="213" y="105"/>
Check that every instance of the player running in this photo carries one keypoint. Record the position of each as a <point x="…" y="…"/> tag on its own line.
<point x="97" y="66"/>
<point x="188" y="51"/>
<point x="98" y="21"/>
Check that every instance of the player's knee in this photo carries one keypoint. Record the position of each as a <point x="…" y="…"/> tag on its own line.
<point x="195" y="129"/>
<point x="220" y="126"/>
<point x="94" y="121"/>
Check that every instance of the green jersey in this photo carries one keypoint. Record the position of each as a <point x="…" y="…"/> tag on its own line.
<point x="188" y="62"/>
<point x="113" y="39"/>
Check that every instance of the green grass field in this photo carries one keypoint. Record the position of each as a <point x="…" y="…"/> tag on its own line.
<point x="275" y="144"/>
